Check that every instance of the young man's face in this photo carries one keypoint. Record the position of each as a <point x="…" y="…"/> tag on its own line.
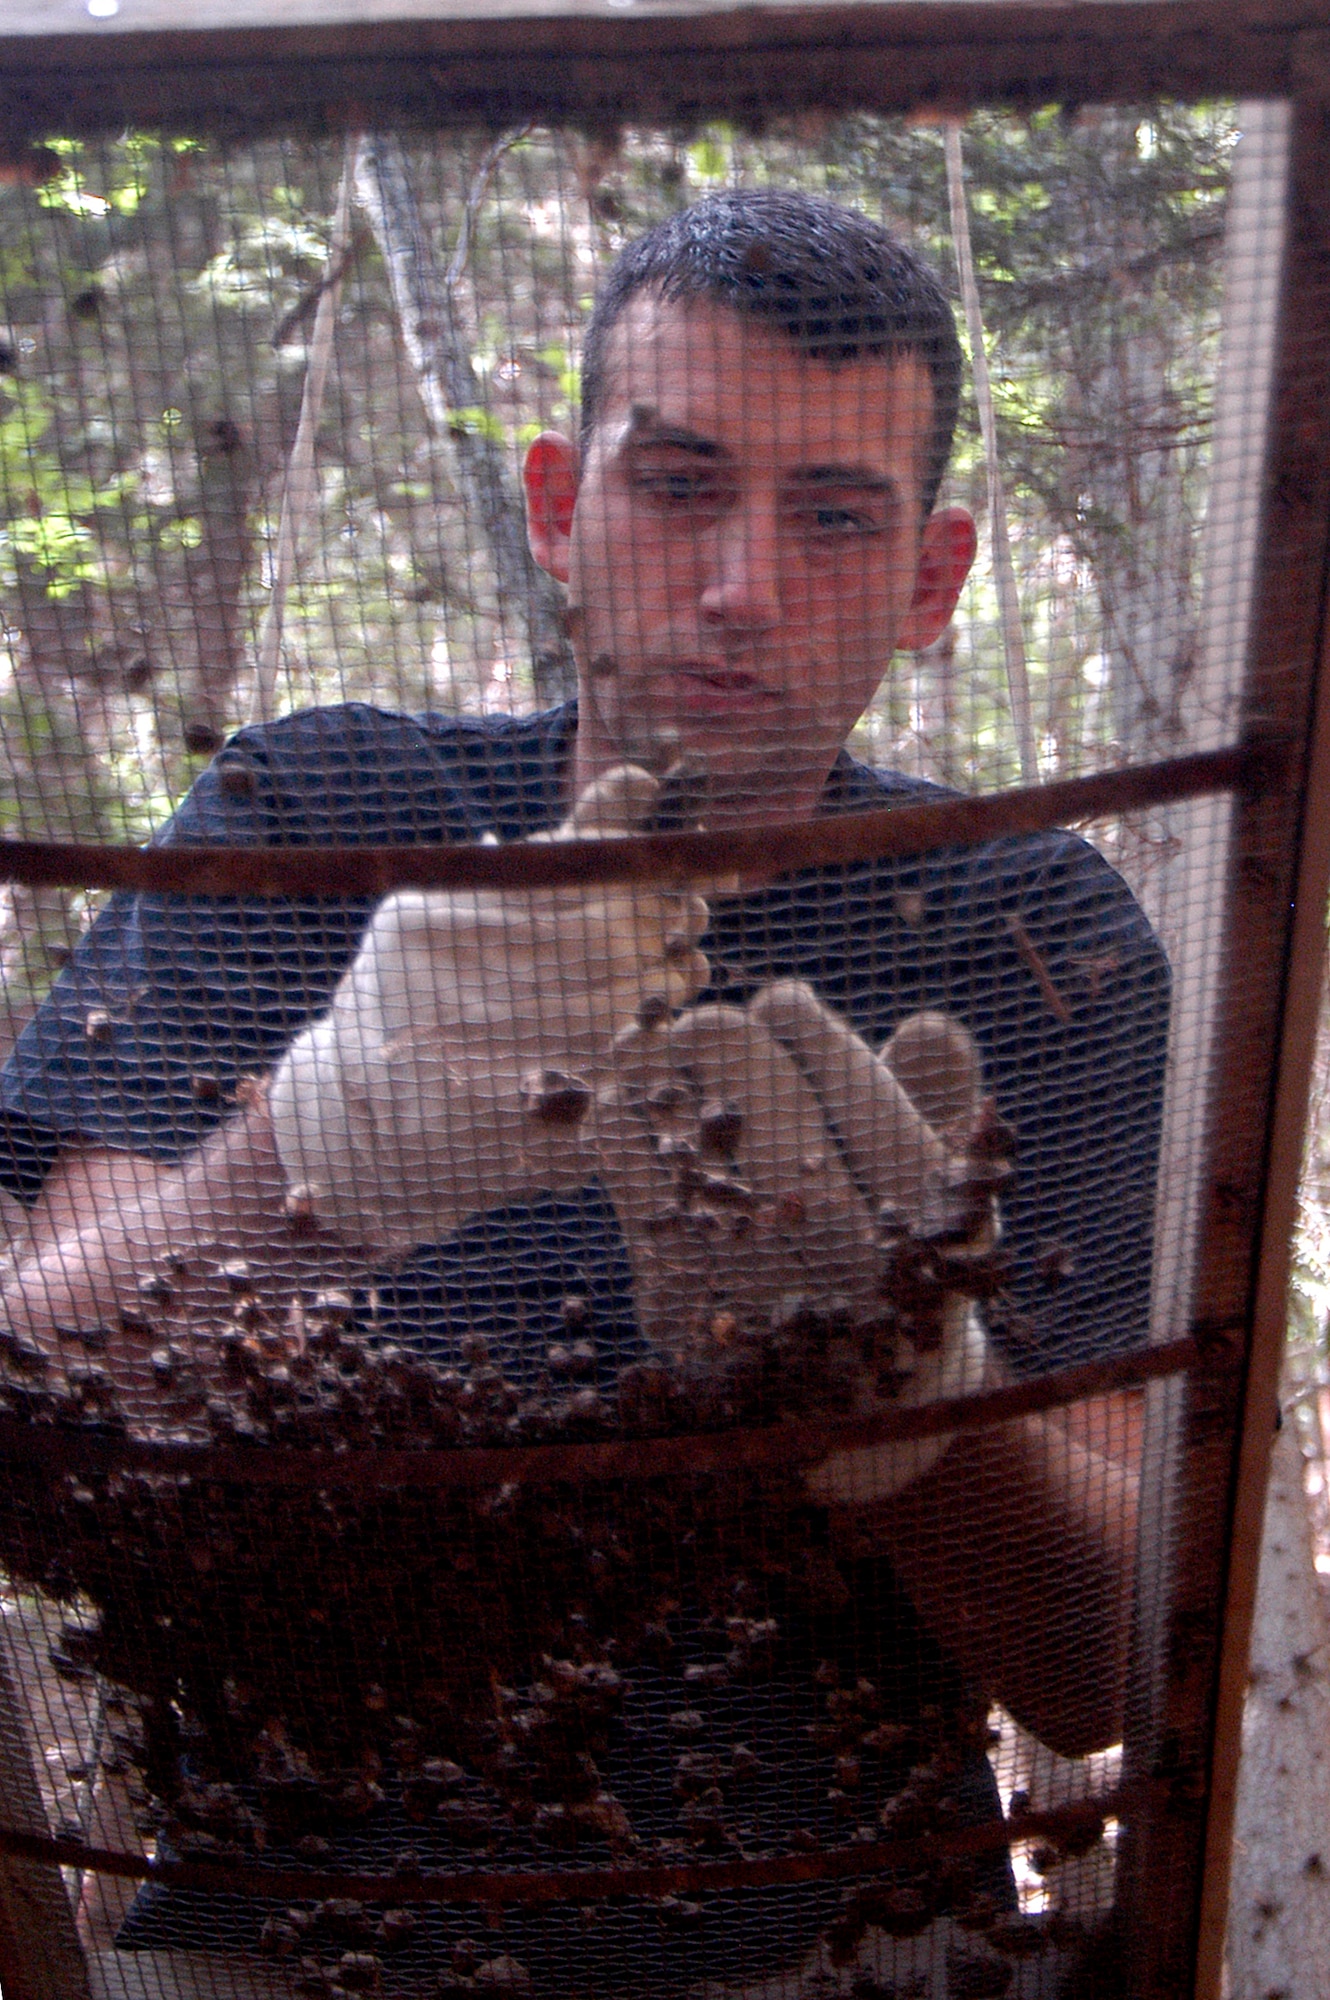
<point x="743" y="549"/>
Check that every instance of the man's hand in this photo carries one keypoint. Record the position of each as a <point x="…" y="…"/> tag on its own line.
<point x="469" y="1035"/>
<point x="766" y="1163"/>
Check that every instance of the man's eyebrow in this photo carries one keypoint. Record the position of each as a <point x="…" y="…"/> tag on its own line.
<point x="861" y="476"/>
<point x="646" y="428"/>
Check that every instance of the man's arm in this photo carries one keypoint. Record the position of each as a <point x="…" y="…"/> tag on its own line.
<point x="1016" y="1544"/>
<point x="400" y="1112"/>
<point x="1020" y="1547"/>
<point x="1019" y="1550"/>
<point x="85" y="1180"/>
<point x="111" y="1229"/>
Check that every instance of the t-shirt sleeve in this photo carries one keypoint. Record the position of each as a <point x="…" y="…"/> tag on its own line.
<point x="169" y="1000"/>
<point x="1073" y="1028"/>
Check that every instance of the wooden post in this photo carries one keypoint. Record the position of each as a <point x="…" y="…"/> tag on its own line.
<point x="40" y="1958"/>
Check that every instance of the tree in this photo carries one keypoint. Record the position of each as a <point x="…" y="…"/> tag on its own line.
<point x="1279" y="1911"/>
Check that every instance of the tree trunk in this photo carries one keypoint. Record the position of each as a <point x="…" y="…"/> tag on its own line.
<point x="1141" y="541"/>
<point x="426" y="308"/>
<point x="1279" y="1912"/>
<point x="300" y="487"/>
<point x="54" y="734"/>
<point x="214" y="577"/>
<point x="1004" y="574"/>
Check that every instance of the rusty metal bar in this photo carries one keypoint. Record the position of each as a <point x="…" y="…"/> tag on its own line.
<point x="473" y="65"/>
<point x="757" y="853"/>
<point x="590" y="1885"/>
<point x="61" y="1447"/>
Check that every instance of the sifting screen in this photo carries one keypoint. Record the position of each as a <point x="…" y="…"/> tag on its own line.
<point x="481" y="1511"/>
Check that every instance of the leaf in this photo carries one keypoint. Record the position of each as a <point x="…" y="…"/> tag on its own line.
<point x="709" y="160"/>
<point x="470" y="420"/>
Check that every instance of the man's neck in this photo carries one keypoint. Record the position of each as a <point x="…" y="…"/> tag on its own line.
<point x="732" y="800"/>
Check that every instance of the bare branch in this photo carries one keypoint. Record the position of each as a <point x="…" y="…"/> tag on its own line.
<point x="426" y="302"/>
<point x="1013" y="636"/>
<point x="299" y="493"/>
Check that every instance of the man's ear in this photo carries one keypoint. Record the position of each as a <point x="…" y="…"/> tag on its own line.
<point x="549" y="477"/>
<point x="946" y="551"/>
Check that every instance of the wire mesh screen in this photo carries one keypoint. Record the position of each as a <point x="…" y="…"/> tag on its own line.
<point x="555" y="1415"/>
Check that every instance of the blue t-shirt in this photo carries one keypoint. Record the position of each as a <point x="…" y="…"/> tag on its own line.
<point x="1034" y="942"/>
<point x="192" y="993"/>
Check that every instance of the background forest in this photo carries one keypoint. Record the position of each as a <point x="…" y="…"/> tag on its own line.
<point x="159" y="325"/>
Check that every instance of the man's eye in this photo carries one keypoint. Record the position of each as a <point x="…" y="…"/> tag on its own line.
<point x="677" y="487"/>
<point x="830" y="522"/>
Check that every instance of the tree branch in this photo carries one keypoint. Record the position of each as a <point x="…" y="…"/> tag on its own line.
<point x="1013" y="636"/>
<point x="299" y="492"/>
<point x="426" y="302"/>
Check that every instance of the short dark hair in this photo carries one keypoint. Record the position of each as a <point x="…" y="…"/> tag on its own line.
<point x="833" y="281"/>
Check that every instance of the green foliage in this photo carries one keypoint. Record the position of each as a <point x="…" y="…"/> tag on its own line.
<point x="711" y="158"/>
<point x="70" y="192"/>
<point x="474" y="420"/>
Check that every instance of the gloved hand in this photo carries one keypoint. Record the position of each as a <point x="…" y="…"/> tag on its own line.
<point x="469" y="1034"/>
<point x="766" y="1164"/>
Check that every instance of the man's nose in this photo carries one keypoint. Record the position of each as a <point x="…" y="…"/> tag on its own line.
<point x="742" y="589"/>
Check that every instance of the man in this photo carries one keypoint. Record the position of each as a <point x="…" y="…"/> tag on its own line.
<point x="747" y="533"/>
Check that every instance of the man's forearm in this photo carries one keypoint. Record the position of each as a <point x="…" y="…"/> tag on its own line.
<point x="1019" y="1551"/>
<point x="128" y="1250"/>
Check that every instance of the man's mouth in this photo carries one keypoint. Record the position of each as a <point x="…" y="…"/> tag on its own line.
<point x="708" y="681"/>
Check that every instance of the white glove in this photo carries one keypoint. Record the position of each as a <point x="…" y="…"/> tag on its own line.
<point x="767" y="1162"/>
<point x="470" y="1032"/>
